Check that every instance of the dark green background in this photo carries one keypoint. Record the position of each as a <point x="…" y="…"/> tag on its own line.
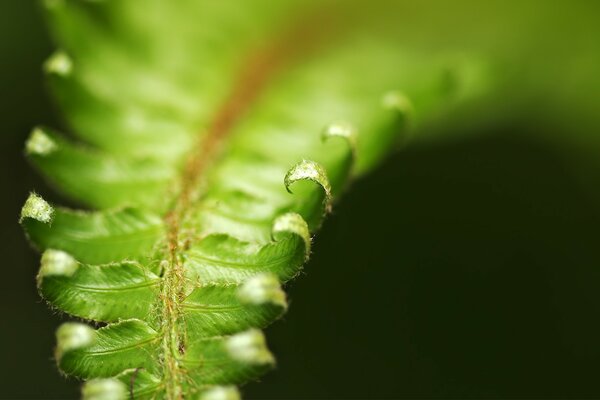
<point x="467" y="269"/>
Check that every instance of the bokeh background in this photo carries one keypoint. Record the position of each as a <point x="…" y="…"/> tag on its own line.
<point x="466" y="269"/>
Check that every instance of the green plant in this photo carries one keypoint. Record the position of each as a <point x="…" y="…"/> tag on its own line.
<point x="210" y="140"/>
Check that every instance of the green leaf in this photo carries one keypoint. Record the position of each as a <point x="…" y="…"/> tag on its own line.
<point x="224" y="259"/>
<point x="213" y="310"/>
<point x="97" y="178"/>
<point x="210" y="139"/>
<point x="104" y="293"/>
<point x="86" y="353"/>
<point x="91" y="237"/>
<point x="234" y="359"/>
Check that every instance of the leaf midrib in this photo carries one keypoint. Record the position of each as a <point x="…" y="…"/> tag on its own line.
<point x="260" y="68"/>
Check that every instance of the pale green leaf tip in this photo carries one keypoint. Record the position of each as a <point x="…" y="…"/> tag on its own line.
<point x="59" y="64"/>
<point x="221" y="393"/>
<point x="39" y="143"/>
<point x="71" y="336"/>
<point x="53" y="4"/>
<point x="104" y="389"/>
<point x="262" y="289"/>
<point x="398" y="101"/>
<point x="308" y="170"/>
<point x="341" y="129"/>
<point x="293" y="223"/>
<point x="37" y="208"/>
<point x="57" y="263"/>
<point x="249" y="347"/>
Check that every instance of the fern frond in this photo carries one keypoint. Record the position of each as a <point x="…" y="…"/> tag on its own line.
<point x="209" y="152"/>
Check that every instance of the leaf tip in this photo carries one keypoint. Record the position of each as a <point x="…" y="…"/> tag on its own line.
<point x="261" y="289"/>
<point x="104" y="389"/>
<point x="397" y="101"/>
<point x="309" y="170"/>
<point x="39" y="143"/>
<point x="293" y="223"/>
<point x="37" y="208"/>
<point x="53" y="4"/>
<point x="59" y="64"/>
<point x="56" y="262"/>
<point x="221" y="393"/>
<point x="71" y="336"/>
<point x="341" y="129"/>
<point x="249" y="347"/>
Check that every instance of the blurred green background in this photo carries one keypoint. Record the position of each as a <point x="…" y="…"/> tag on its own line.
<point x="466" y="269"/>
